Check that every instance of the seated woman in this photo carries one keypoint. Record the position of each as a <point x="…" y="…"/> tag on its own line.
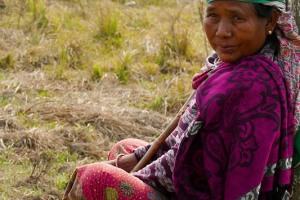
<point x="235" y="140"/>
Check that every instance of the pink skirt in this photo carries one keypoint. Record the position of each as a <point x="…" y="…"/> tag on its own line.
<point x="102" y="181"/>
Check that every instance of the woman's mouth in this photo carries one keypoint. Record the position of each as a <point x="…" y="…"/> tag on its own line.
<point x="227" y="48"/>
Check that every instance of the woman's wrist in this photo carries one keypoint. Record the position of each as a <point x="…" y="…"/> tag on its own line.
<point x="117" y="160"/>
<point x="126" y="162"/>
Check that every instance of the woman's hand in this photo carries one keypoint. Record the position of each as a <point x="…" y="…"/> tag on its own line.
<point x="126" y="162"/>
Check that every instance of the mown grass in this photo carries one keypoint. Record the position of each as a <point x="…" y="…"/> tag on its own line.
<point x="78" y="75"/>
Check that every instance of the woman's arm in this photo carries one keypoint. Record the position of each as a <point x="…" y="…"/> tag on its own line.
<point x="174" y="137"/>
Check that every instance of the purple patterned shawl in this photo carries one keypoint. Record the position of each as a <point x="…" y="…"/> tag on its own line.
<point x="240" y="143"/>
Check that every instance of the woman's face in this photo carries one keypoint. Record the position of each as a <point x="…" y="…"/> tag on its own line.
<point x="234" y="30"/>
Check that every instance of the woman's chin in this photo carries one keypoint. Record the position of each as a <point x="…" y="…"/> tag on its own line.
<point x="229" y="58"/>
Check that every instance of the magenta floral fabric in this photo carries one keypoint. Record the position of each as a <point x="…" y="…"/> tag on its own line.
<point x="240" y="143"/>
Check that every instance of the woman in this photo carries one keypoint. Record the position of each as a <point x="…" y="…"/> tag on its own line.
<point x="235" y="141"/>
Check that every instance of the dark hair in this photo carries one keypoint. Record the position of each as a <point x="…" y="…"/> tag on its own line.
<point x="265" y="12"/>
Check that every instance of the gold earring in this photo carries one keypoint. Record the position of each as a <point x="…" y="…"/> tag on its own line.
<point x="270" y="32"/>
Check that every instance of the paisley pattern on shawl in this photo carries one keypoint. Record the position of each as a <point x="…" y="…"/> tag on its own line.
<point x="246" y="135"/>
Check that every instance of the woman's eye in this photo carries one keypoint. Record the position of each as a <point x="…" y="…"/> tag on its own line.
<point x="211" y="15"/>
<point x="237" y="18"/>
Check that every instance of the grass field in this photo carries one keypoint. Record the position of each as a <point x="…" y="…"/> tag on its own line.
<point x="78" y="75"/>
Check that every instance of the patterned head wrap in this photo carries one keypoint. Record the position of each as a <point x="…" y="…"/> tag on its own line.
<point x="288" y="60"/>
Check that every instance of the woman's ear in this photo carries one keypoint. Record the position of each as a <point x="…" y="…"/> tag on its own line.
<point x="272" y="21"/>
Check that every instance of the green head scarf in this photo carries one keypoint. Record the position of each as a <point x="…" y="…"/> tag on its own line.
<point x="280" y="4"/>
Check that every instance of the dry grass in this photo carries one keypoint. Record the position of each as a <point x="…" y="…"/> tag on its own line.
<point x="70" y="86"/>
<point x="47" y="132"/>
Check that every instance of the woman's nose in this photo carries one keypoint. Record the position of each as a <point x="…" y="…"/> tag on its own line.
<point x="223" y="29"/>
